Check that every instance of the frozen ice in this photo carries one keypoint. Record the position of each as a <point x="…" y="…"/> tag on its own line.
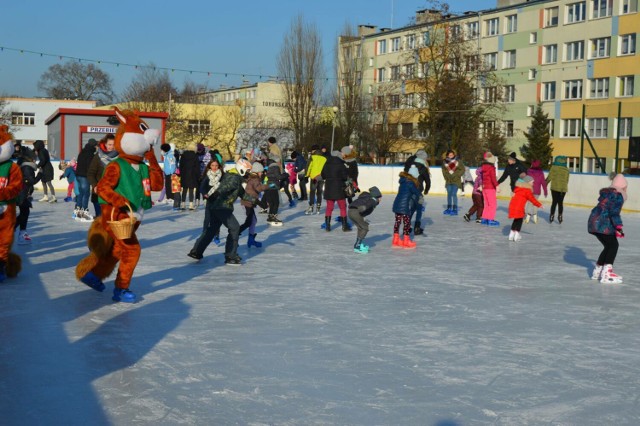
<point x="468" y="328"/>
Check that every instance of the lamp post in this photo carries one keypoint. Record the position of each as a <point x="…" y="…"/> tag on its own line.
<point x="333" y="131"/>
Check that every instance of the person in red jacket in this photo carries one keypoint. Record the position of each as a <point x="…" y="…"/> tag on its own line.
<point x="489" y="190"/>
<point x="522" y="193"/>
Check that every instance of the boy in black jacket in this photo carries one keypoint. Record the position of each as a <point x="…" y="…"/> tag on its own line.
<point x="358" y="209"/>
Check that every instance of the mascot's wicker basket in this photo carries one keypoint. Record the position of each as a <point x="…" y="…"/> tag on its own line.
<point x="123" y="228"/>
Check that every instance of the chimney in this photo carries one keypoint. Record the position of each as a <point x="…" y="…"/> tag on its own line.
<point x="426" y="16"/>
<point x="365" y="30"/>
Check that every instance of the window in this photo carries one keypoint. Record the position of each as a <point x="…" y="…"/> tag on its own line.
<point x="533" y="38"/>
<point x="549" y="91"/>
<point x="395" y="73"/>
<point x="407" y="129"/>
<point x="575" y="12"/>
<point x="23" y="118"/>
<point x="426" y="38"/>
<point x="573" y="89"/>
<point x="370" y="62"/>
<point x="551" y="125"/>
<point x="489" y="127"/>
<point x="601" y="8"/>
<point x="410" y="70"/>
<point x="382" y="47"/>
<point x="408" y="100"/>
<point x="599" y="88"/>
<point x="551" y="54"/>
<point x="379" y="102"/>
<point x="511" y="24"/>
<point x="490" y="94"/>
<point x="530" y="110"/>
<point x="574" y="51"/>
<point x="472" y="62"/>
<point x="533" y="73"/>
<point x="394" y="101"/>
<point x="381" y="76"/>
<point x="625" y="85"/>
<point x="491" y="60"/>
<point x="551" y="17"/>
<point x="508" y="128"/>
<point x="510" y="59"/>
<point x="625" y="127"/>
<point x="571" y="128"/>
<point x="600" y="47"/>
<point x="598" y="127"/>
<point x="629" y="6"/>
<point x="510" y="94"/>
<point x="410" y="41"/>
<point x="199" y="126"/>
<point x="628" y="44"/>
<point x="472" y="30"/>
<point x="455" y="32"/>
<point x="491" y="27"/>
<point x="395" y="44"/>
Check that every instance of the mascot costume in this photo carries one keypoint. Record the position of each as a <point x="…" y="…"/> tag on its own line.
<point x="10" y="187"/>
<point x="125" y="187"/>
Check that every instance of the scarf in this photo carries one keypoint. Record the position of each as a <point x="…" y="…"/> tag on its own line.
<point x="214" y="181"/>
<point x="107" y="157"/>
<point x="451" y="163"/>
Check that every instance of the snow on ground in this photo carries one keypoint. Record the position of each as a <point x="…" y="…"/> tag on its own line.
<point x="468" y="328"/>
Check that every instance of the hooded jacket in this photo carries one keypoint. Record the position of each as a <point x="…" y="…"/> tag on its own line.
<point x="44" y="161"/>
<point x="605" y="216"/>
<point x="335" y="175"/>
<point x="406" y="202"/>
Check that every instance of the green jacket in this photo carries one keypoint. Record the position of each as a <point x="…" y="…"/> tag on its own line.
<point x="455" y="177"/>
<point x="559" y="178"/>
<point x="229" y="190"/>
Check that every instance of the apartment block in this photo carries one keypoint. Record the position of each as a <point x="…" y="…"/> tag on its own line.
<point x="578" y="58"/>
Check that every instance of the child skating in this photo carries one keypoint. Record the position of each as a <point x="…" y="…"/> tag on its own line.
<point x="522" y="193"/>
<point x="358" y="209"/>
<point x="605" y="224"/>
<point x="404" y="206"/>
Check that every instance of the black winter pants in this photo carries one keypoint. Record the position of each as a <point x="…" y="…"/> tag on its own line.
<point x="557" y="199"/>
<point x="610" y="250"/>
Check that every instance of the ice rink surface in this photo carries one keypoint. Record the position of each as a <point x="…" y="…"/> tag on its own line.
<point x="467" y="329"/>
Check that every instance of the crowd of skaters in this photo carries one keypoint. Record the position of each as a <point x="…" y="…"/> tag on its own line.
<point x="196" y="176"/>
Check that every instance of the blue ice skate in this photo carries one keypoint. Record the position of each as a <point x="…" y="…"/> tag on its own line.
<point x="493" y="223"/>
<point x="123" y="295"/>
<point x="90" y="279"/>
<point x="252" y="241"/>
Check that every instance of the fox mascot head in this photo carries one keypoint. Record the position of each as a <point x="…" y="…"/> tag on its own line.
<point x="134" y="138"/>
<point x="6" y="143"/>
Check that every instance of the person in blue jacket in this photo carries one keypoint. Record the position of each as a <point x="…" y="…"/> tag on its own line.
<point x="169" y="168"/>
<point x="405" y="204"/>
<point x="605" y="223"/>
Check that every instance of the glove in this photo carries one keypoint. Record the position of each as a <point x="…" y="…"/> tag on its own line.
<point x="619" y="232"/>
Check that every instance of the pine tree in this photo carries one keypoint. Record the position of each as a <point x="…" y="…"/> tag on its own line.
<point x="538" y="146"/>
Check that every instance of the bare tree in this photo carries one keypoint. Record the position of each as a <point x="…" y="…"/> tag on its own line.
<point x="300" y="64"/>
<point x="5" y="114"/>
<point x="74" y="80"/>
<point x="456" y="91"/>
<point x="350" y="60"/>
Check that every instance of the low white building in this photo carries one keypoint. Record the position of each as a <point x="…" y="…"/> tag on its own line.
<point x="28" y="116"/>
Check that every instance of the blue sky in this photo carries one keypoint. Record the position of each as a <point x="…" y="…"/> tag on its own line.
<point x="235" y="37"/>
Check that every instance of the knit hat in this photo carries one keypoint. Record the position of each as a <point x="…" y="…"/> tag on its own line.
<point x="525" y="181"/>
<point x="257" y="168"/>
<point x="422" y="154"/>
<point x="560" y="160"/>
<point x="513" y="155"/>
<point x="489" y="158"/>
<point x="375" y="192"/>
<point x="336" y="154"/>
<point x="619" y="183"/>
<point x="165" y="147"/>
<point x="200" y="148"/>
<point x="348" y="154"/>
<point x="413" y="171"/>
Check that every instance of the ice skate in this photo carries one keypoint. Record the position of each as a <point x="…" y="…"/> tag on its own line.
<point x="191" y="206"/>
<point x="24" y="238"/>
<point x="194" y="255"/>
<point x="123" y="295"/>
<point x="466" y="217"/>
<point x="559" y="218"/>
<point x="535" y="218"/>
<point x="359" y="247"/>
<point x="527" y="218"/>
<point x="493" y="223"/>
<point x="417" y="229"/>
<point x="610" y="277"/>
<point x="273" y="220"/>
<point x="252" y="241"/>
<point x="597" y="271"/>
<point x="407" y="243"/>
<point x="512" y="234"/>
<point x="52" y="199"/>
<point x="233" y="260"/>
<point x="327" y="224"/>
<point x="68" y="199"/>
<point x="309" y="210"/>
<point x="44" y="199"/>
<point x="318" y="208"/>
<point x="517" y="237"/>
<point x="396" y="241"/>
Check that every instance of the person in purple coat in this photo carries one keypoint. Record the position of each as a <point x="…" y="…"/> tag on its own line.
<point x="539" y="185"/>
